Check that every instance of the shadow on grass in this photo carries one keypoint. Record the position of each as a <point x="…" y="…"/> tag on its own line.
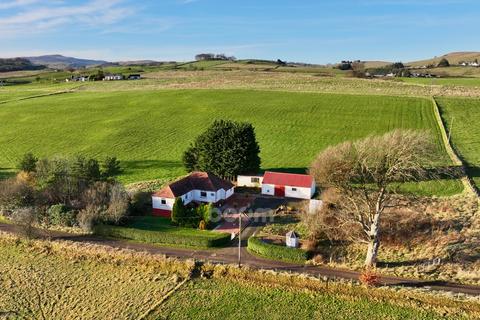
<point x="133" y="166"/>
<point x="287" y="170"/>
<point x="6" y="173"/>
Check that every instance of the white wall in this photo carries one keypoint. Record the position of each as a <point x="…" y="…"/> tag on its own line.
<point x="193" y="195"/>
<point x="268" y="189"/>
<point x="246" y="181"/>
<point x="297" y="192"/>
<point x="229" y="193"/>
<point x="157" y="203"/>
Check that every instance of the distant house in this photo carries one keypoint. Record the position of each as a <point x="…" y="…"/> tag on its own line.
<point x="200" y="187"/>
<point x="77" y="78"/>
<point x="134" y="77"/>
<point x="112" y="77"/>
<point x="301" y="186"/>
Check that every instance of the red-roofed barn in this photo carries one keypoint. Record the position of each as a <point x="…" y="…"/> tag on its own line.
<point x="197" y="186"/>
<point x="290" y="185"/>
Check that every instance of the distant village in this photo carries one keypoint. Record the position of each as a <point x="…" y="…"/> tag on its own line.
<point x="107" y="77"/>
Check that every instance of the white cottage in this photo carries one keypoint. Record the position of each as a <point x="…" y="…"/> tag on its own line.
<point x="291" y="185"/>
<point x="197" y="186"/>
<point x="254" y="181"/>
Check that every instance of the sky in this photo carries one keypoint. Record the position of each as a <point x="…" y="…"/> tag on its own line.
<point x="292" y="30"/>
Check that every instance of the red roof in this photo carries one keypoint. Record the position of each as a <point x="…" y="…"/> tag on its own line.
<point x="288" y="179"/>
<point x="194" y="181"/>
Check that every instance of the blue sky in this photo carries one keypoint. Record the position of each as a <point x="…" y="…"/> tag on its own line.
<point x="301" y="30"/>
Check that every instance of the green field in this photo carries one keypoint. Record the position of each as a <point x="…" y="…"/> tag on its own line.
<point x="462" y="117"/>
<point x="149" y="130"/>
<point x="222" y="299"/>
<point x="468" y="82"/>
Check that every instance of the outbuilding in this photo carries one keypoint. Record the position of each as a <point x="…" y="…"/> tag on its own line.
<point x="291" y="185"/>
<point x="292" y="239"/>
<point x="252" y="181"/>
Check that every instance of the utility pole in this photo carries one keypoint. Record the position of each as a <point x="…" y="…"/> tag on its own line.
<point x="239" y="239"/>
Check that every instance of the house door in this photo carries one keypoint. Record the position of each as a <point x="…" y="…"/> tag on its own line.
<point x="279" y="191"/>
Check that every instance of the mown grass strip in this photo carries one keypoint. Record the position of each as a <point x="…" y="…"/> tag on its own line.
<point x="270" y="251"/>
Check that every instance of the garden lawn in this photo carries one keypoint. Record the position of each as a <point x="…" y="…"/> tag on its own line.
<point x="462" y="118"/>
<point x="149" y="130"/>
<point x="227" y="299"/>
<point x="158" y="230"/>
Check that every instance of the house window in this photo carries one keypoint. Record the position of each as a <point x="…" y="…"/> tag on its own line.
<point x="255" y="180"/>
<point x="163" y="201"/>
<point x="212" y="194"/>
<point x="203" y="194"/>
<point x="294" y="189"/>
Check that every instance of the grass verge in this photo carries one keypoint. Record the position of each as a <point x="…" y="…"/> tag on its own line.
<point x="276" y="252"/>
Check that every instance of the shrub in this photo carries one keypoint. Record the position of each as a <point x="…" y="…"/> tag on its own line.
<point x="25" y="218"/>
<point x="369" y="278"/>
<point x="59" y="215"/>
<point x="28" y="163"/>
<point x="275" y="252"/>
<point x="192" y="240"/>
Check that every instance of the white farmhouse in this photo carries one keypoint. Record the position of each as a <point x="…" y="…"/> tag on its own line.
<point x="301" y="186"/>
<point x="201" y="187"/>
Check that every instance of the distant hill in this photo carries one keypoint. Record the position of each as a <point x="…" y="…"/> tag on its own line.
<point x="57" y="61"/>
<point x="18" y="64"/>
<point x="453" y="58"/>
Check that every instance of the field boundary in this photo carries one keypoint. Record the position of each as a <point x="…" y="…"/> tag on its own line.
<point x="453" y="154"/>
<point x="163" y="299"/>
<point x="40" y="95"/>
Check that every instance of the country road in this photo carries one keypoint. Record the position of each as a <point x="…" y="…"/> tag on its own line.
<point x="230" y="255"/>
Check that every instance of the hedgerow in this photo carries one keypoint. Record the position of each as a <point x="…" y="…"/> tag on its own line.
<point x="191" y="240"/>
<point x="276" y="252"/>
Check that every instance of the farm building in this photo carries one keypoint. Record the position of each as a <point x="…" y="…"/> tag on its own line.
<point x="110" y="77"/>
<point x="134" y="77"/>
<point x="196" y="187"/>
<point x="254" y="181"/>
<point x="301" y="186"/>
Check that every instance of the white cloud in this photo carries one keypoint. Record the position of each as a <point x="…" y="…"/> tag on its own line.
<point x="40" y="18"/>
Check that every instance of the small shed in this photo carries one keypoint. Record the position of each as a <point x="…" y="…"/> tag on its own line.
<point x="292" y="239"/>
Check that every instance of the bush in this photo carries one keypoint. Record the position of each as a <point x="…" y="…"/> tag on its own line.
<point x="369" y="278"/>
<point x="191" y="240"/>
<point x="25" y="218"/>
<point x="28" y="163"/>
<point x="59" y="215"/>
<point x="275" y="252"/>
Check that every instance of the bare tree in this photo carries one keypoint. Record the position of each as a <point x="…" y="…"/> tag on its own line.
<point x="365" y="175"/>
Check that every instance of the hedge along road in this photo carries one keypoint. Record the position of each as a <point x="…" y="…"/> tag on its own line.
<point x="230" y="255"/>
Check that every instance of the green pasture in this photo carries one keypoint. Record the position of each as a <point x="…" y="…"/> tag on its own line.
<point x="149" y="130"/>
<point x="462" y="118"/>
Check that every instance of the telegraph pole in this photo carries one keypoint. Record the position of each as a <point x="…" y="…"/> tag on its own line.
<point x="239" y="239"/>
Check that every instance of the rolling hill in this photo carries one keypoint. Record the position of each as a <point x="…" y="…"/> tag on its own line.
<point x="60" y="62"/>
<point x="453" y="58"/>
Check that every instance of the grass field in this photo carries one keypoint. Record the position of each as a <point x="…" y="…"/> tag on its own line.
<point x="36" y="284"/>
<point x="52" y="280"/>
<point x="468" y="82"/>
<point x="462" y="118"/>
<point x="222" y="299"/>
<point x="149" y="130"/>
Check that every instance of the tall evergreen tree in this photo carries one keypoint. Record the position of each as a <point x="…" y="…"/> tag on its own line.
<point x="226" y="148"/>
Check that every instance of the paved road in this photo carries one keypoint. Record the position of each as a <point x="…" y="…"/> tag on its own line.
<point x="230" y="255"/>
